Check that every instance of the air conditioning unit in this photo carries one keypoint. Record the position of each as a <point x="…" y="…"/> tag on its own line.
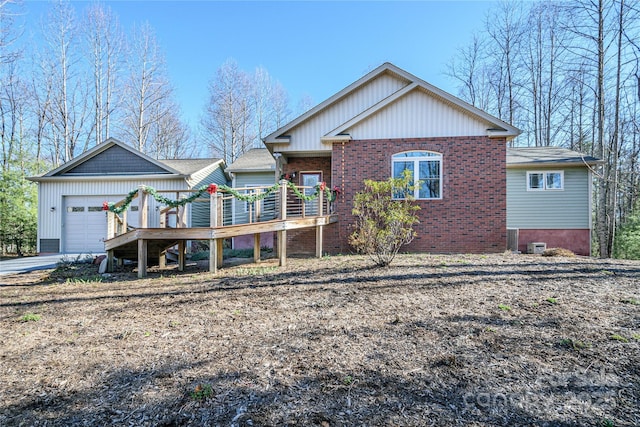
<point x="536" y="247"/>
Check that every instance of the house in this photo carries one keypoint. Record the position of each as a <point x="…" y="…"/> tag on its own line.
<point x="386" y="122"/>
<point x="549" y="198"/>
<point x="70" y="198"/>
<point x="254" y="169"/>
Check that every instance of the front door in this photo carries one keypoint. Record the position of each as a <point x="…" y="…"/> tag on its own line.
<point x="309" y="181"/>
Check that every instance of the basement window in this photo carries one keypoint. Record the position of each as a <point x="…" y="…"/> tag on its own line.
<point x="545" y="180"/>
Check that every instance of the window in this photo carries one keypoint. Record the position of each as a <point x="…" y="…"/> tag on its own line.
<point x="426" y="169"/>
<point x="540" y="181"/>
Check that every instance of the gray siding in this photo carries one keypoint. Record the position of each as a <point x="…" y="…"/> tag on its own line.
<point x="200" y="209"/>
<point x="562" y="209"/>
<point x="116" y="160"/>
<point x="245" y="179"/>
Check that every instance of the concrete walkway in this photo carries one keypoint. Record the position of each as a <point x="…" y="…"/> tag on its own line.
<point x="43" y="262"/>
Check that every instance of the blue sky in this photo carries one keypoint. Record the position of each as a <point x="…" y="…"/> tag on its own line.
<point x="312" y="48"/>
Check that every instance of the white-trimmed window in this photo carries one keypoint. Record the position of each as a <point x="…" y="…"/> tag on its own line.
<point x="545" y="180"/>
<point x="426" y="169"/>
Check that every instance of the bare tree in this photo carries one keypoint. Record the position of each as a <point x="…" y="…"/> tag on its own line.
<point x="147" y="87"/>
<point x="70" y="114"/>
<point x="105" y="47"/>
<point x="505" y="35"/>
<point x="227" y="121"/>
<point x="169" y="137"/>
<point x="468" y="67"/>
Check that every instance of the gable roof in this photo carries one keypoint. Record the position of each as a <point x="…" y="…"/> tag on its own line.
<point x="254" y="160"/>
<point x="496" y="128"/>
<point x="114" y="158"/>
<point x="547" y="156"/>
<point x="189" y="166"/>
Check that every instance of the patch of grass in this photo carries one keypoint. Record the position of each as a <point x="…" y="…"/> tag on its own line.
<point x="636" y="337"/>
<point x="30" y="317"/>
<point x="574" y="344"/>
<point x="618" y="337"/>
<point x="254" y="271"/>
<point x="561" y="252"/>
<point x="347" y="380"/>
<point x="504" y="307"/>
<point x="607" y="423"/>
<point x="551" y="300"/>
<point x="631" y="301"/>
<point x="84" y="280"/>
<point x="202" y="391"/>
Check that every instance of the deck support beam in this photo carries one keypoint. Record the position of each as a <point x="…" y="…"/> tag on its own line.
<point x="142" y="258"/>
<point x="162" y="260"/>
<point x="282" y="248"/>
<point x="213" y="256"/>
<point x="319" y="231"/>
<point x="256" y="247"/>
<point x="182" y="250"/>
<point x="319" y="242"/>
<point x="110" y="261"/>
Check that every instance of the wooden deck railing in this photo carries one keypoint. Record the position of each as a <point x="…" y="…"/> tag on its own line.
<point x="281" y="204"/>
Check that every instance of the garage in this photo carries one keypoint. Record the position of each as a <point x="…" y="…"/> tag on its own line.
<point x="84" y="225"/>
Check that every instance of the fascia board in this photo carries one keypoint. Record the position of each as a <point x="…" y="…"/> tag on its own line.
<point x="274" y="138"/>
<point x="104" y="177"/>
<point x="103" y="147"/>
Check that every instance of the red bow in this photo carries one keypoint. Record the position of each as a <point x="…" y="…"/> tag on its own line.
<point x="323" y="185"/>
<point x="336" y="189"/>
<point x="212" y="189"/>
<point x="105" y="206"/>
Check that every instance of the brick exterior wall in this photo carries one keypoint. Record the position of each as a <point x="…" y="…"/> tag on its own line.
<point x="470" y="218"/>
<point x="576" y="240"/>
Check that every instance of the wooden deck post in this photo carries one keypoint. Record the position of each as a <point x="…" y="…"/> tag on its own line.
<point x="319" y="228"/>
<point x="142" y="258"/>
<point x="182" y="251"/>
<point x="142" y="244"/>
<point x="213" y="223"/>
<point x="142" y="208"/>
<point x="110" y="261"/>
<point x="111" y="225"/>
<point x="282" y="234"/>
<point x="162" y="258"/>
<point x="256" y="247"/>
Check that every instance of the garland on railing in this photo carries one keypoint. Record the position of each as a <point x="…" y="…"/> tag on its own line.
<point x="319" y="188"/>
<point x="250" y="197"/>
<point x="213" y="188"/>
<point x="106" y="206"/>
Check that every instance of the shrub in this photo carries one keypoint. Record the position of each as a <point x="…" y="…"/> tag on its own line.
<point x="384" y="223"/>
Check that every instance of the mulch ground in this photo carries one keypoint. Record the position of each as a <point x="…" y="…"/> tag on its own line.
<point x="432" y="340"/>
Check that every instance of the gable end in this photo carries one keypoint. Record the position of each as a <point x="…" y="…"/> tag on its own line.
<point x="115" y="161"/>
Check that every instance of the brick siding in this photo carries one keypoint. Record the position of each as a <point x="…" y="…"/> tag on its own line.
<point x="470" y="218"/>
<point x="303" y="242"/>
<point x="576" y="240"/>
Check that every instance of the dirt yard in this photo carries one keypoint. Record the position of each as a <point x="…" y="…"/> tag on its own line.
<point x="433" y="340"/>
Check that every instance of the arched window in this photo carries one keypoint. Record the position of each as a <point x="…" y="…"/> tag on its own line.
<point x="426" y="169"/>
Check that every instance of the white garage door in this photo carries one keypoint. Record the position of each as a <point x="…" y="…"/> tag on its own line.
<point x="84" y="225"/>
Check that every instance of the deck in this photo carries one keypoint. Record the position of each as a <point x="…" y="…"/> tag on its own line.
<point x="150" y="244"/>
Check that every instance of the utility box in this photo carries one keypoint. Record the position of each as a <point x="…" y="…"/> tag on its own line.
<point x="536" y="247"/>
